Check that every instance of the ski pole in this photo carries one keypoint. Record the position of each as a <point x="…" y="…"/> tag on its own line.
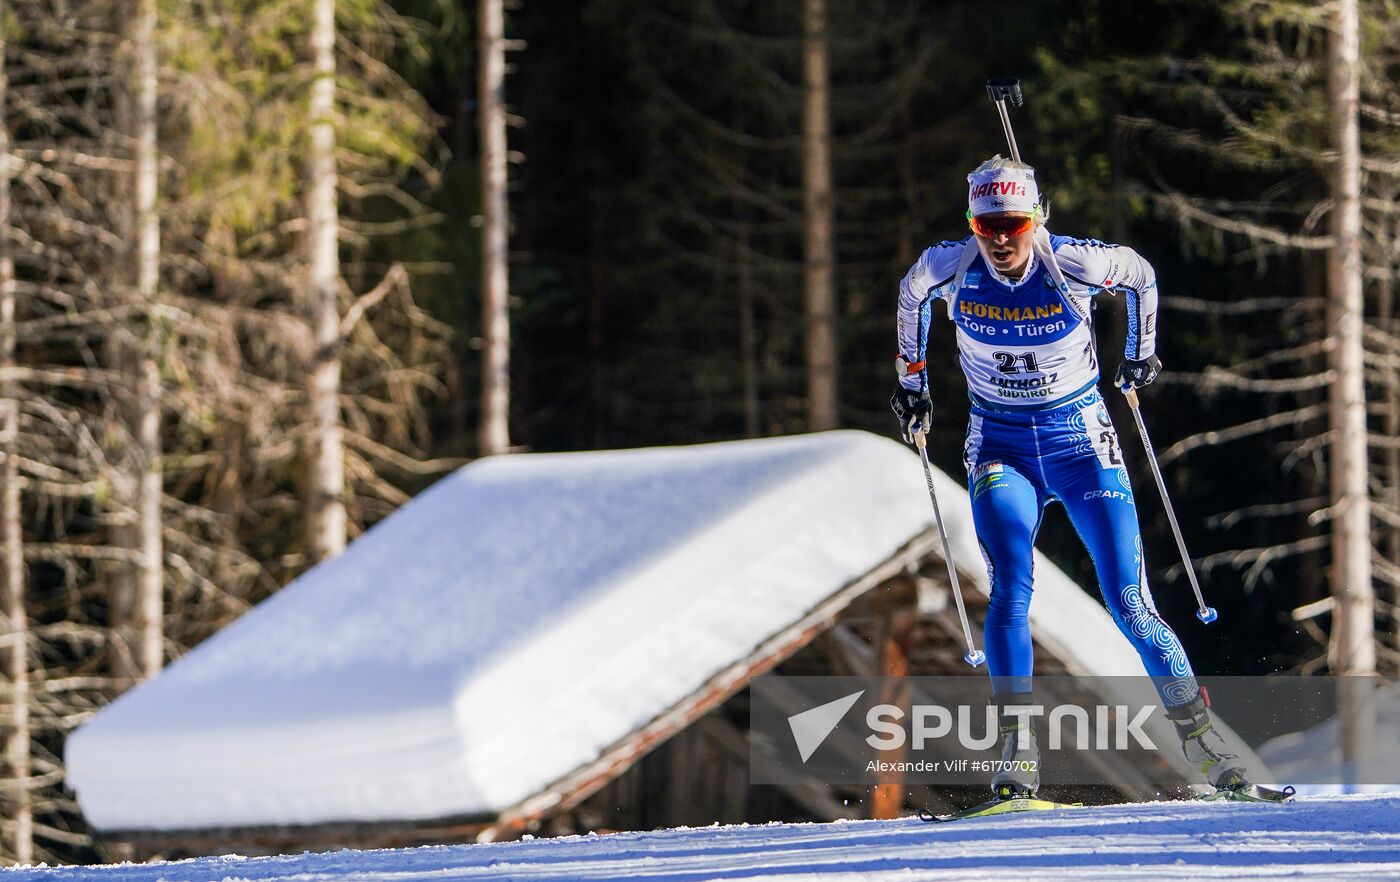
<point x="1002" y="91"/>
<point x="973" y="656"/>
<point x="1205" y="613"/>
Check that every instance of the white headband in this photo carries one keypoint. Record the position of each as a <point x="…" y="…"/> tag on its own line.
<point x="1002" y="189"/>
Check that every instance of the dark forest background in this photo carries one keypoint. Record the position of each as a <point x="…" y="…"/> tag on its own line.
<point x="659" y="143"/>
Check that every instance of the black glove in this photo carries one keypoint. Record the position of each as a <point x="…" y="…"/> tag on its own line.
<point x="913" y="409"/>
<point x="1135" y="374"/>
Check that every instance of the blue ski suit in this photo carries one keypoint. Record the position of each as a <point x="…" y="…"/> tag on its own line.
<point x="1040" y="432"/>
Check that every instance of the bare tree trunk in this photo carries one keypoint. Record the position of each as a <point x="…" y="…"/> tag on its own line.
<point x="493" y="433"/>
<point x="16" y="624"/>
<point x="1353" y="641"/>
<point x="150" y="651"/>
<point x="326" y="510"/>
<point x="748" y="334"/>
<point x="819" y="284"/>
<point x="1353" y="646"/>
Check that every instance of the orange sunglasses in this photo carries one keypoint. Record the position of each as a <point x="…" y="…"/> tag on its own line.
<point x="1009" y="226"/>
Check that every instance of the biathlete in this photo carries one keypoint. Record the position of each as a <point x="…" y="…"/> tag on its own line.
<point x="1021" y="301"/>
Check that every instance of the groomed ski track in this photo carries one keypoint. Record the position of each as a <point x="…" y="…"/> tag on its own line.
<point x="1316" y="838"/>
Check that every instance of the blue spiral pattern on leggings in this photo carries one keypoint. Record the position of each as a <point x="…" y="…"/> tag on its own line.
<point x="1124" y="481"/>
<point x="1182" y="690"/>
<point x="1083" y="444"/>
<point x="1145" y="624"/>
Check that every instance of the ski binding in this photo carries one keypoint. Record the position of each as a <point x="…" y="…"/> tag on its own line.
<point x="998" y="806"/>
<point x="1250" y="793"/>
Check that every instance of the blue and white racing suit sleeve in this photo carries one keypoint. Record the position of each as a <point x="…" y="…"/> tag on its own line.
<point x="1100" y="266"/>
<point x="928" y="278"/>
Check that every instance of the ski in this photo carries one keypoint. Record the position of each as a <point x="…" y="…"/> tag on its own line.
<point x="1246" y="793"/>
<point x="998" y="807"/>
<point x="1249" y="793"/>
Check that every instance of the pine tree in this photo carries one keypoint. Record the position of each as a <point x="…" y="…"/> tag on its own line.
<point x="732" y="233"/>
<point x="1292" y="135"/>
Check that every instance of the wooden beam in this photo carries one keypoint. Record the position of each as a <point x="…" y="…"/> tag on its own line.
<point x="887" y="801"/>
<point x="848" y="652"/>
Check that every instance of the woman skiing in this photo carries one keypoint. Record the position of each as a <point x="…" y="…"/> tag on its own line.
<point x="1021" y="303"/>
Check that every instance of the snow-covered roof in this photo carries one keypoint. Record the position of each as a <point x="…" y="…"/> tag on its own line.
<point x="505" y="628"/>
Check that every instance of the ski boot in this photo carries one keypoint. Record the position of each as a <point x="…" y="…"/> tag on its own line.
<point x="1207" y="751"/>
<point x="1018" y="773"/>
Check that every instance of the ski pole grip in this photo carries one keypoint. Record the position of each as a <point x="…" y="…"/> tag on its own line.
<point x="1005" y="89"/>
<point x="920" y="441"/>
<point x="1131" y="395"/>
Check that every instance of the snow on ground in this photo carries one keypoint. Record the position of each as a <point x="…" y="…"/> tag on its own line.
<point x="1319" y="838"/>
